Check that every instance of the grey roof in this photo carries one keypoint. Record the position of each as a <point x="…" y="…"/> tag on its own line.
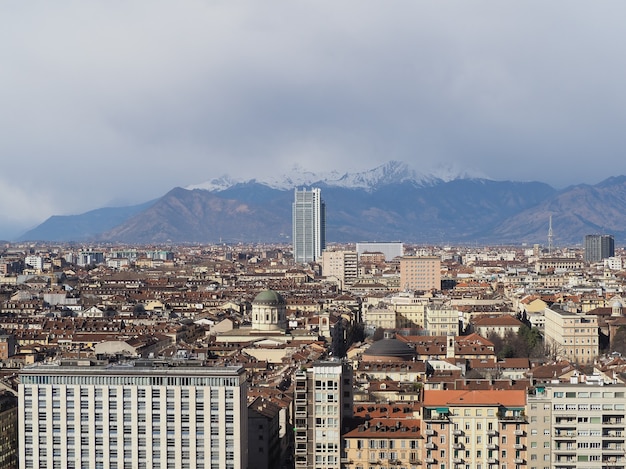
<point x="390" y="348"/>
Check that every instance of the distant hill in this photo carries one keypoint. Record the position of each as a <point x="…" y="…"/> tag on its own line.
<point x="84" y="227"/>
<point x="389" y="203"/>
<point x="576" y="211"/>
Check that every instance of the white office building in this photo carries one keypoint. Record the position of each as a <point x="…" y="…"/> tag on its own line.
<point x="139" y="415"/>
<point x="322" y="400"/>
<point x="309" y="225"/>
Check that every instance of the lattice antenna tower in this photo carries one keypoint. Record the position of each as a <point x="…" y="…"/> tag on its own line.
<point x="550" y="237"/>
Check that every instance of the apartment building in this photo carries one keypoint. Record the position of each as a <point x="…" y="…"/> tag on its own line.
<point x="573" y="336"/>
<point x="420" y="273"/>
<point x="409" y="309"/>
<point x="384" y="442"/>
<point x="441" y="319"/>
<point x="484" y="429"/>
<point x="322" y="400"/>
<point x="8" y="430"/>
<point x="379" y="318"/>
<point x="340" y="264"/>
<point x="135" y="415"/>
<point x="577" y="425"/>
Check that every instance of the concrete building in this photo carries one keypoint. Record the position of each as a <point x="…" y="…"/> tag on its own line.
<point x="577" y="425"/>
<point x="340" y="264"/>
<point x="35" y="262"/>
<point x="573" y="336"/>
<point x="8" y="431"/>
<point x="501" y="325"/>
<point x="409" y="309"/>
<point x="322" y="400"/>
<point x="441" y="319"/>
<point x="420" y="273"/>
<point x="384" y="442"/>
<point x="309" y="225"/>
<point x="375" y="318"/>
<point x="598" y="247"/>
<point x="484" y="429"/>
<point x="138" y="415"/>
<point x="263" y="434"/>
<point x="7" y="346"/>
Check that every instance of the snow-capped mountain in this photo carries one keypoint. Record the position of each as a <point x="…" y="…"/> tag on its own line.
<point x="388" y="173"/>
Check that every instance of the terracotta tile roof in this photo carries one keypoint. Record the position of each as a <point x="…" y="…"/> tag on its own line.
<point x="475" y="397"/>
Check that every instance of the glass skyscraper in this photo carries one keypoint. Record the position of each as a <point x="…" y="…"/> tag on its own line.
<point x="309" y="225"/>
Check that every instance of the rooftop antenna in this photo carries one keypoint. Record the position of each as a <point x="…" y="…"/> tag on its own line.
<point x="550" y="237"/>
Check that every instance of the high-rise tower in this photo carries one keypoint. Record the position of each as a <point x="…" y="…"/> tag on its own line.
<point x="309" y="225"/>
<point x="322" y="400"/>
<point x="598" y="247"/>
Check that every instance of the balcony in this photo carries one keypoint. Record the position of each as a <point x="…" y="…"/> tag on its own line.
<point x="518" y="446"/>
<point x="613" y="421"/>
<point x="457" y="460"/>
<point x="613" y="449"/>
<point x="458" y="446"/>
<point x="492" y="446"/>
<point x="494" y="432"/>
<point x="519" y="461"/>
<point x="457" y="432"/>
<point x="429" y="460"/>
<point x="492" y="461"/>
<point x="519" y="432"/>
<point x="429" y="432"/>
<point x="430" y="446"/>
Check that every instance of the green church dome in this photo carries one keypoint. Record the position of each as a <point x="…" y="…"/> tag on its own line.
<point x="269" y="297"/>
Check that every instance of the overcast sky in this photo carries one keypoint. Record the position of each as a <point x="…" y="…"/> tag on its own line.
<point x="116" y="102"/>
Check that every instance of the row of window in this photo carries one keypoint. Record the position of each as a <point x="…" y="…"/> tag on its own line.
<point x="99" y="380"/>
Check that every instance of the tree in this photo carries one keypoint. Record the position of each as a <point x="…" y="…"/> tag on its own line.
<point x="618" y="341"/>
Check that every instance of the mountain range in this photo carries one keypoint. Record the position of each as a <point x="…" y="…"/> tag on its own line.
<point x="390" y="202"/>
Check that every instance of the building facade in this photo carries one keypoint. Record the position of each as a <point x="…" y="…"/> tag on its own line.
<point x="598" y="247"/>
<point x="8" y="431"/>
<point x="572" y="336"/>
<point x="576" y="425"/>
<point x="308" y="225"/>
<point x="420" y="273"/>
<point x="139" y="415"/>
<point x="322" y="400"/>
<point x="484" y="429"/>
<point x="340" y="264"/>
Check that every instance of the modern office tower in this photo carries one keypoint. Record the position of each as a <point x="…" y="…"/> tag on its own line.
<point x="340" y="264"/>
<point x="598" y="247"/>
<point x="420" y="273"/>
<point x="323" y="398"/>
<point x="309" y="225"/>
<point x="572" y="336"/>
<point x="135" y="415"/>
<point x="390" y="250"/>
<point x="576" y="425"/>
<point x="8" y="431"/>
<point x="484" y="429"/>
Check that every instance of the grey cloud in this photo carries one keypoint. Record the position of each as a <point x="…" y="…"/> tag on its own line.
<point x="122" y="101"/>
